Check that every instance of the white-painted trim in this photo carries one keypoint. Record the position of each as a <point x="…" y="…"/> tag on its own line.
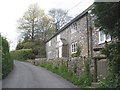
<point x="104" y="37"/>
<point x="50" y="43"/>
<point x="60" y="52"/>
<point x="59" y="45"/>
<point x="73" y="48"/>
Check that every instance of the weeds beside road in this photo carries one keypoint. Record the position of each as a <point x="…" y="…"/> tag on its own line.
<point x="83" y="80"/>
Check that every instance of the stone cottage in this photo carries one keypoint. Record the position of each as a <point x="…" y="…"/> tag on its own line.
<point x="79" y="32"/>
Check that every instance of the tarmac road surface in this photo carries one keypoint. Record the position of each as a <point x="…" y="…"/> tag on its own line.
<point x="26" y="75"/>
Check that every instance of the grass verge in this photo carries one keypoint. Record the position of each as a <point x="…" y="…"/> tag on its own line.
<point x="81" y="81"/>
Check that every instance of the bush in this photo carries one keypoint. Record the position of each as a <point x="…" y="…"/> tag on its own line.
<point x="111" y="81"/>
<point x="7" y="61"/>
<point x="74" y="55"/>
<point x="112" y="51"/>
<point x="77" y="53"/>
<point x="85" y="79"/>
<point x="38" y="47"/>
<point x="75" y="68"/>
<point x="22" y="54"/>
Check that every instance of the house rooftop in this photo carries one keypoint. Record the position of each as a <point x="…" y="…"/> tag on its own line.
<point x="72" y="21"/>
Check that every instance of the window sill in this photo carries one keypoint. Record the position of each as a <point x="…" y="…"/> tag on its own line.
<point x="73" y="52"/>
<point x="103" y="42"/>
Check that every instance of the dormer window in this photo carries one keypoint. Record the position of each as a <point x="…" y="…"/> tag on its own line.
<point x="74" y="27"/>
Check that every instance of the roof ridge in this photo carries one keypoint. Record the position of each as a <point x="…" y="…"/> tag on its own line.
<point x="70" y="22"/>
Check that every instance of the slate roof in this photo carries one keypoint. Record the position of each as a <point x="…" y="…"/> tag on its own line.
<point x="72" y="21"/>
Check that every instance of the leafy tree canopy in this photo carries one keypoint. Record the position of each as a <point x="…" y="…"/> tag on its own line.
<point x="34" y="24"/>
<point x="59" y="17"/>
<point x="107" y="17"/>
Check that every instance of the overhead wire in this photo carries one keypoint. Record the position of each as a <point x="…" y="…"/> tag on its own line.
<point x="74" y="6"/>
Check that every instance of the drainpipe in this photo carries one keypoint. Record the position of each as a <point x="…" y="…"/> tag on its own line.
<point x="87" y="16"/>
<point x="90" y="46"/>
<point x="91" y="38"/>
<point x="91" y="49"/>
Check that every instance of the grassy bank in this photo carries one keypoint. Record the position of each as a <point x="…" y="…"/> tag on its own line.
<point x="83" y="80"/>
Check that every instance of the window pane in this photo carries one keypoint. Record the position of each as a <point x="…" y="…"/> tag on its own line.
<point x="72" y="48"/>
<point x="101" y="36"/>
<point x="108" y="37"/>
<point x="73" y="27"/>
<point x="75" y="46"/>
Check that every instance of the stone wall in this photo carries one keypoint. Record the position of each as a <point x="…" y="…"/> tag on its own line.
<point x="79" y="36"/>
<point x="52" y="50"/>
<point x="71" y="63"/>
<point x="76" y="65"/>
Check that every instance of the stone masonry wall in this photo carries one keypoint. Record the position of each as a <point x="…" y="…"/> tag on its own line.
<point x="80" y="36"/>
<point x="71" y="63"/>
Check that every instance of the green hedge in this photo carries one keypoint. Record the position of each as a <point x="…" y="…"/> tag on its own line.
<point x="22" y="54"/>
<point x="7" y="61"/>
<point x="0" y="58"/>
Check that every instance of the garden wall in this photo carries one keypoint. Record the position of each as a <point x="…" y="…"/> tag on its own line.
<point x="76" y="65"/>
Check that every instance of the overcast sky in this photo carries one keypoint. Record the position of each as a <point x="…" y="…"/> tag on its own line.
<point x="12" y="10"/>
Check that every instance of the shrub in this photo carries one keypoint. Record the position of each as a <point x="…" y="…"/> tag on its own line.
<point x="74" y="55"/>
<point x="83" y="80"/>
<point x="77" y="53"/>
<point x="7" y="61"/>
<point x="85" y="77"/>
<point x="111" y="81"/>
<point x="112" y="51"/>
<point x="75" y="68"/>
<point x="22" y="54"/>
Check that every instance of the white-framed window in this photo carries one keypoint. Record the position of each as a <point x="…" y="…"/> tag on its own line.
<point x="74" y="47"/>
<point x="103" y="37"/>
<point x="108" y="37"/>
<point x="74" y="27"/>
<point x="50" y="43"/>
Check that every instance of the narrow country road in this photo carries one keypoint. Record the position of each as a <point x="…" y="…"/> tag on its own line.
<point x="26" y="75"/>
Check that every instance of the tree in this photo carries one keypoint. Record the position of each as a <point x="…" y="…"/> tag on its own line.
<point x="35" y="26"/>
<point x="108" y="18"/>
<point x="60" y="17"/>
<point x="46" y="29"/>
<point x="31" y="24"/>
